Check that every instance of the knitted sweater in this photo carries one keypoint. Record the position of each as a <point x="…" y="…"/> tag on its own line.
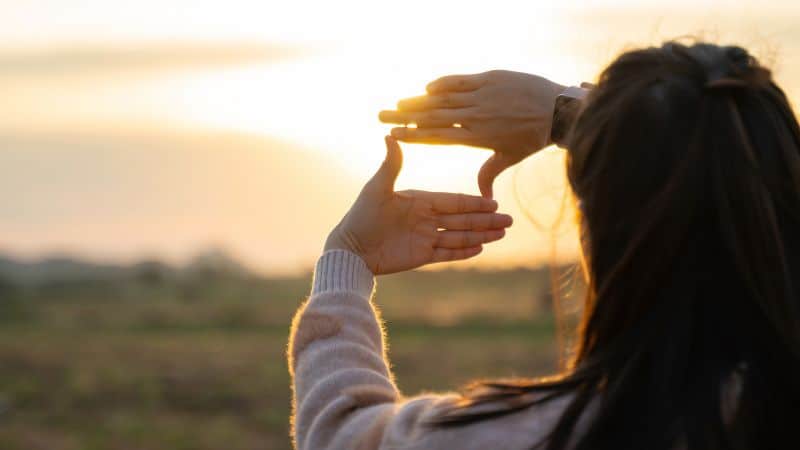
<point x="344" y="394"/>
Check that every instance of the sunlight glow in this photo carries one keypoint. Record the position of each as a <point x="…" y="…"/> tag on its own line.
<point x="268" y="139"/>
<point x="330" y="101"/>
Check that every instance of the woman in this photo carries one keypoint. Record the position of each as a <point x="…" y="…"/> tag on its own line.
<point x="685" y="164"/>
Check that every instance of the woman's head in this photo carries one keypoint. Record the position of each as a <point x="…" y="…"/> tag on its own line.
<point x="686" y="162"/>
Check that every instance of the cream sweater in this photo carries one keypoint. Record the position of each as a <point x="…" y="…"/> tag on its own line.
<point x="344" y="394"/>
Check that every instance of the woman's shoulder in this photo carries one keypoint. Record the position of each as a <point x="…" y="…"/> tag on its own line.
<point x="411" y="427"/>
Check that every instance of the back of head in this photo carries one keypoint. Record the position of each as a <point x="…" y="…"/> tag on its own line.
<point x="685" y="161"/>
<point x="686" y="164"/>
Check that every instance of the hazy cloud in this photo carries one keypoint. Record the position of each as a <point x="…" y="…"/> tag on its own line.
<point x="149" y="57"/>
<point x="115" y="194"/>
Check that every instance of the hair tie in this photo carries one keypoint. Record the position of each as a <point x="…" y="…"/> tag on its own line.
<point x="726" y="83"/>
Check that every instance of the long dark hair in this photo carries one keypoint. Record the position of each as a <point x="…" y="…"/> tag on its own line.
<point x="685" y="160"/>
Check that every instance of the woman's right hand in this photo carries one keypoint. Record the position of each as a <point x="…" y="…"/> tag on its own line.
<point x="508" y="112"/>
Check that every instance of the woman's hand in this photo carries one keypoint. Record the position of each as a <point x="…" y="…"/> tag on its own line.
<point x="508" y="112"/>
<point x="395" y="231"/>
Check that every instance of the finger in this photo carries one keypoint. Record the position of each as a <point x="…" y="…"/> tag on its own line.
<point x="493" y="166"/>
<point x="474" y="221"/>
<point x="449" y="135"/>
<point x="451" y="203"/>
<point x="449" y="254"/>
<point x="390" y="169"/>
<point x="466" y="239"/>
<point x="440" y="118"/>
<point x="457" y="83"/>
<point x="446" y="100"/>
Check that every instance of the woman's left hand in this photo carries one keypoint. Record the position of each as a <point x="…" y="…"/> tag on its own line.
<point x="396" y="231"/>
<point x="508" y="112"/>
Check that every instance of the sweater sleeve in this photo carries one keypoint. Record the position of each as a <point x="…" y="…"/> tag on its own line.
<point x="344" y="394"/>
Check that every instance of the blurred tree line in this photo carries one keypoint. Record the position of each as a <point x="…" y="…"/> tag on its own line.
<point x="213" y="289"/>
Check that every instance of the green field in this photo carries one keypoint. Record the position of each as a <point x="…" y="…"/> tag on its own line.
<point x="144" y="362"/>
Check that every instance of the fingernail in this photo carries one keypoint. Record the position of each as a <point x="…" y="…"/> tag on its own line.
<point x="397" y="132"/>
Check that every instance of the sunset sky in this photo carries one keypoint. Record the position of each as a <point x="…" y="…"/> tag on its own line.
<point x="162" y="128"/>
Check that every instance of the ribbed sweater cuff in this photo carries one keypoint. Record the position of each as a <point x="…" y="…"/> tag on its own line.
<point x="342" y="271"/>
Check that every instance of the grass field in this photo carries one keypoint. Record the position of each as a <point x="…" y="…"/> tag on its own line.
<point x="138" y="363"/>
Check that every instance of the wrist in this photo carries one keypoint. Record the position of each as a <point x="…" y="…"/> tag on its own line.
<point x="557" y="89"/>
<point x="565" y="111"/>
<point x="338" y="240"/>
<point x="340" y="270"/>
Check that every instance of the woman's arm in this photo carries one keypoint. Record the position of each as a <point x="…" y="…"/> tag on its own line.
<point x="345" y="397"/>
<point x="344" y="393"/>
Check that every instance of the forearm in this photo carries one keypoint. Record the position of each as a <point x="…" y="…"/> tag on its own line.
<point x="336" y="343"/>
<point x="344" y="393"/>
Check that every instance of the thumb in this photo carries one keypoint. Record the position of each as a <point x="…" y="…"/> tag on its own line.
<point x="490" y="170"/>
<point x="390" y="169"/>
